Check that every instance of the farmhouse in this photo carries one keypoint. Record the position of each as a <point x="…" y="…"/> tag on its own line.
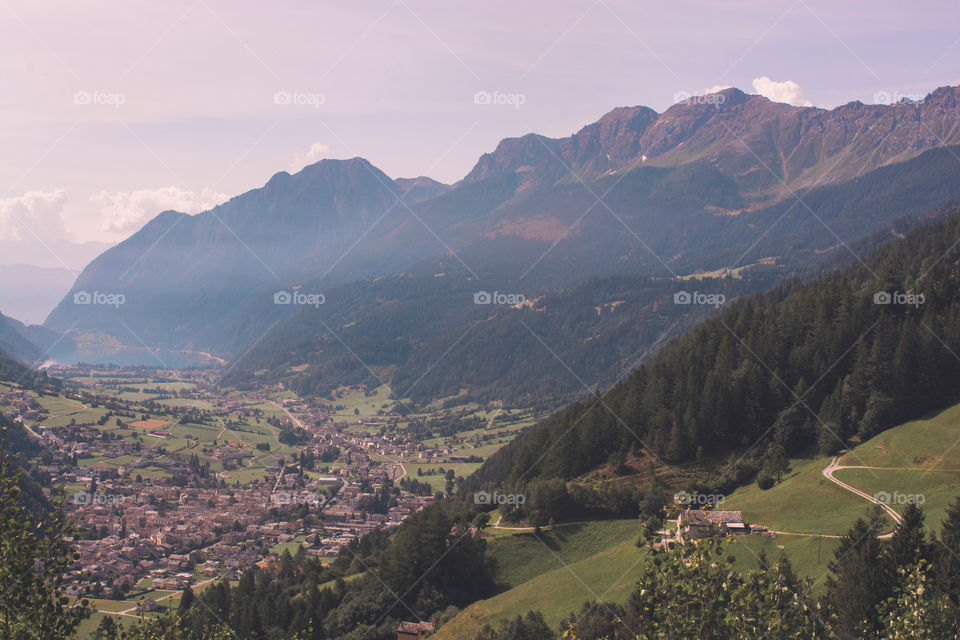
<point x="413" y="630"/>
<point x="701" y="524"/>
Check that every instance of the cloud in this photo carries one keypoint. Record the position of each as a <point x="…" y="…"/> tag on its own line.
<point x="123" y="212"/>
<point x="316" y="152"/>
<point x="35" y="214"/>
<point x="787" y="91"/>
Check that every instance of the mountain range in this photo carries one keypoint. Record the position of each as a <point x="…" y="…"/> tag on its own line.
<point x="725" y="185"/>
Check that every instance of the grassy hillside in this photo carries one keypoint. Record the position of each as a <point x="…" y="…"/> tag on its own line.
<point x="919" y="458"/>
<point x="931" y="442"/>
<point x="610" y="575"/>
<point x="521" y="557"/>
<point x="805" y="502"/>
<point x="558" y="571"/>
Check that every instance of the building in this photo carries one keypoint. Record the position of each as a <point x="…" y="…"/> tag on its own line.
<point x="148" y="604"/>
<point x="413" y="630"/>
<point x="701" y="524"/>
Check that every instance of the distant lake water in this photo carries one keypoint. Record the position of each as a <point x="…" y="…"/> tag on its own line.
<point x="135" y="357"/>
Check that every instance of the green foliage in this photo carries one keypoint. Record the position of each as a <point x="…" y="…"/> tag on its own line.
<point x="919" y="611"/>
<point x="692" y="591"/>
<point x="34" y="556"/>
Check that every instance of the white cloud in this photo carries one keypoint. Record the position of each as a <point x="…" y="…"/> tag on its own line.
<point x="123" y="212"/>
<point x="316" y="152"/>
<point x="787" y="91"/>
<point x="35" y="214"/>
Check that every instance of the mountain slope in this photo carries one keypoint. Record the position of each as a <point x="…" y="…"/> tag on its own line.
<point x="14" y="343"/>
<point x="710" y="194"/>
<point x="181" y="275"/>
<point x="804" y="366"/>
<point x="421" y="332"/>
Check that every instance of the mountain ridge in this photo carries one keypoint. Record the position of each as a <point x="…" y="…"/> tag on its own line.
<point x="682" y="190"/>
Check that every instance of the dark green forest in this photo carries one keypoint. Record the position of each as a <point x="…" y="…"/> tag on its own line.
<point x="805" y="366"/>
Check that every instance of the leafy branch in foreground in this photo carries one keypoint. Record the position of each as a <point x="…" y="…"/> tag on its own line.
<point x="34" y="555"/>
<point x="691" y="590"/>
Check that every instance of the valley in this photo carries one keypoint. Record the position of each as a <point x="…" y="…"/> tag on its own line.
<point x="595" y="370"/>
<point x="174" y="482"/>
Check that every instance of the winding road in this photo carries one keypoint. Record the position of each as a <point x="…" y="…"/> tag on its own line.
<point x="835" y="466"/>
<point x="828" y="472"/>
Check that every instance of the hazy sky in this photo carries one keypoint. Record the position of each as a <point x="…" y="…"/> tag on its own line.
<point x="111" y="112"/>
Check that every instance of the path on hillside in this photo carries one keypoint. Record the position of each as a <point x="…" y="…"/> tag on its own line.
<point x="132" y="611"/>
<point x="496" y="525"/>
<point x="492" y="418"/>
<point x="58" y="415"/>
<point x="835" y="466"/>
<point x="828" y="472"/>
<point x="858" y="466"/>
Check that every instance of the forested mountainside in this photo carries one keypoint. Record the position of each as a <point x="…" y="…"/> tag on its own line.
<point x="806" y="366"/>
<point x="14" y="439"/>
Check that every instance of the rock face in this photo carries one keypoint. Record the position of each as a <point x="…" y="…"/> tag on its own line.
<point x="765" y="146"/>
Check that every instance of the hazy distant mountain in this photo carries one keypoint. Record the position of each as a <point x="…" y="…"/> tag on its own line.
<point x="421" y="188"/>
<point x="707" y="184"/>
<point x="51" y="253"/>
<point x="30" y="293"/>
<point x="15" y="344"/>
<point x="32" y="344"/>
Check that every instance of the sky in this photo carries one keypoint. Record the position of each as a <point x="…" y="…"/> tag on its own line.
<point x="113" y="112"/>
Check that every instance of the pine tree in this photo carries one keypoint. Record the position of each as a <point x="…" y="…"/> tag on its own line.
<point x="947" y="555"/>
<point x="908" y="544"/>
<point x="859" y="580"/>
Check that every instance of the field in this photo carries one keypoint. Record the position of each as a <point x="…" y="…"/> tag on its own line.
<point x="932" y="442"/>
<point x="355" y="404"/>
<point x="805" y="502"/>
<point x="608" y="572"/>
<point x="150" y="424"/>
<point x="499" y="429"/>
<point x="244" y="433"/>
<point x="933" y="490"/>
<point x="522" y="557"/>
